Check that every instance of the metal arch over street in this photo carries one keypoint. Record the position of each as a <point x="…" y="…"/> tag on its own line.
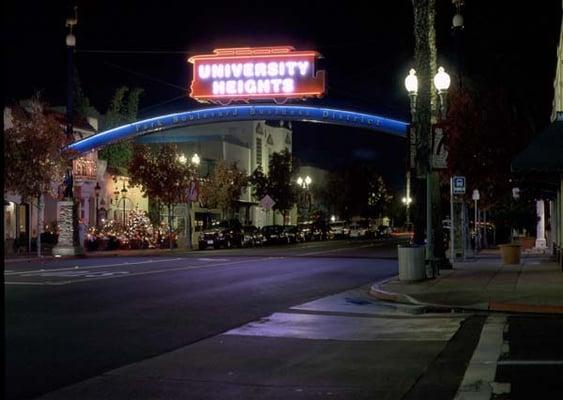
<point x="242" y="113"/>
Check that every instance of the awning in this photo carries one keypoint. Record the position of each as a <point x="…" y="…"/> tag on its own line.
<point x="545" y="152"/>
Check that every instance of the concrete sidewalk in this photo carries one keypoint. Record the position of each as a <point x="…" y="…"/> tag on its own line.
<point x="536" y="285"/>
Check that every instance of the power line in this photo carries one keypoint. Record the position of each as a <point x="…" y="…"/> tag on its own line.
<point x="140" y="74"/>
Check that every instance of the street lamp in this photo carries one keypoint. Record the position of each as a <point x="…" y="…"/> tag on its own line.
<point x="441" y="83"/>
<point x="97" y="190"/>
<point x="195" y="161"/>
<point x="304" y="183"/>
<point x="124" y="196"/>
<point x="407" y="200"/>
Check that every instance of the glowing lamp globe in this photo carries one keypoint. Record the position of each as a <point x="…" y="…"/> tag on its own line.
<point x="70" y="40"/>
<point x="442" y="80"/>
<point x="308" y="180"/>
<point x="411" y="82"/>
<point x="457" y="21"/>
<point x="195" y="159"/>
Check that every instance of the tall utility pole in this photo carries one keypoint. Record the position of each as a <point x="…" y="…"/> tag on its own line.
<point x="67" y="218"/>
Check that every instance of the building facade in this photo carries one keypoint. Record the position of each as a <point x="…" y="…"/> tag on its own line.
<point x="248" y="144"/>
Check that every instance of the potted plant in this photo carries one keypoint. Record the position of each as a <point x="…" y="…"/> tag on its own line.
<point x="516" y="214"/>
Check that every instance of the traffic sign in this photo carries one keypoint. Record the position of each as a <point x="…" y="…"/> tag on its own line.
<point x="267" y="202"/>
<point x="458" y="186"/>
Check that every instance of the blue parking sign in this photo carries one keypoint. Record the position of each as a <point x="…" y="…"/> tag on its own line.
<point x="458" y="184"/>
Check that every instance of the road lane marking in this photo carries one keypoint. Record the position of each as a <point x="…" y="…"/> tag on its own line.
<point x="530" y="362"/>
<point x="480" y="373"/>
<point x="213" y="259"/>
<point x="173" y="269"/>
<point x="42" y="270"/>
<point x="338" y="249"/>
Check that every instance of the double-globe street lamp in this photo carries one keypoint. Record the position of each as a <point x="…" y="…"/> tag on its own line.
<point x="442" y="84"/>
<point x="195" y="161"/>
<point x="304" y="183"/>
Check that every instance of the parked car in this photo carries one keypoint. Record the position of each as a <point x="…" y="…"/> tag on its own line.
<point x="252" y="236"/>
<point x="360" y="229"/>
<point x="226" y="233"/>
<point x="305" y="231"/>
<point x="292" y="234"/>
<point x="383" y="231"/>
<point x="274" y="234"/>
<point x="338" y="230"/>
<point x="312" y="231"/>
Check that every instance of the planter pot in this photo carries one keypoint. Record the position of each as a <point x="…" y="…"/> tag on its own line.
<point x="510" y="253"/>
<point x="527" y="242"/>
<point x="412" y="266"/>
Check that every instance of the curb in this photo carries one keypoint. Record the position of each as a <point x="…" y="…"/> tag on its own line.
<point x="380" y="294"/>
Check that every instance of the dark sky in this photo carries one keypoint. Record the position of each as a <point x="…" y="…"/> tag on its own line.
<point x="368" y="49"/>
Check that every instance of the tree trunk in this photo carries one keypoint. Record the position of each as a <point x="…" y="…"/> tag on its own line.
<point x="170" y="226"/>
<point x="39" y="225"/>
<point x="426" y="106"/>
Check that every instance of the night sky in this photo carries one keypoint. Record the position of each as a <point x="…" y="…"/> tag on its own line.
<point x="368" y="49"/>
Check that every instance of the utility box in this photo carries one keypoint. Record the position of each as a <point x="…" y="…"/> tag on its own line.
<point x="412" y="266"/>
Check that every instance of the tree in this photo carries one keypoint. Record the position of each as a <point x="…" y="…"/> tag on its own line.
<point x="34" y="155"/>
<point x="357" y="190"/>
<point x="279" y="184"/>
<point x="223" y="188"/>
<point x="123" y="109"/>
<point x="80" y="102"/>
<point x="161" y="176"/>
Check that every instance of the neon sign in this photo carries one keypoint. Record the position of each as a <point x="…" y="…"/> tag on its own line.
<point x="256" y="73"/>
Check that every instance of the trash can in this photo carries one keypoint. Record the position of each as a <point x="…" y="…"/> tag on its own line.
<point x="412" y="265"/>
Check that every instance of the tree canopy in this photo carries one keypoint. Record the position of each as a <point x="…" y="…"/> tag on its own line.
<point x="34" y="158"/>
<point x="123" y="109"/>
<point x="222" y="189"/>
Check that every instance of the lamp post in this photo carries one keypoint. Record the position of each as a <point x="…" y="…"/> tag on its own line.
<point x="97" y="190"/>
<point x="194" y="161"/>
<point x="441" y="83"/>
<point x="118" y="199"/>
<point x="407" y="200"/>
<point x="124" y="196"/>
<point x="304" y="183"/>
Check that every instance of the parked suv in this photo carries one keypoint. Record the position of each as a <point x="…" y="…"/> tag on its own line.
<point x="226" y="233"/>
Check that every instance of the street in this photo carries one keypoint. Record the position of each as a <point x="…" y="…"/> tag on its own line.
<point x="68" y="320"/>
<point x="266" y="323"/>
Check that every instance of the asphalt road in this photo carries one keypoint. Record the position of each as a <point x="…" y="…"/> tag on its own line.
<point x="69" y="320"/>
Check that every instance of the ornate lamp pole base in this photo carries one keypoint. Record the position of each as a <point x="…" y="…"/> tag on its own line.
<point x="65" y="220"/>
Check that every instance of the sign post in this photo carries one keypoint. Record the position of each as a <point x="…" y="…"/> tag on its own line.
<point x="457" y="187"/>
<point x="475" y="197"/>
